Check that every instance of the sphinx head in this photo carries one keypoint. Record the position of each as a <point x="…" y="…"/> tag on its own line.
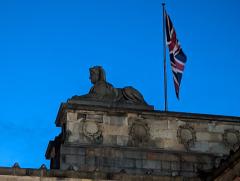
<point x="97" y="74"/>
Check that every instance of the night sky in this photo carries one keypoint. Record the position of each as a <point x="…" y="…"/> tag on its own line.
<point x="47" y="47"/>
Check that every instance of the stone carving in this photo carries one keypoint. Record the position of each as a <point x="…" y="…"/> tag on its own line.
<point x="105" y="92"/>
<point x="139" y="134"/>
<point x="92" y="131"/>
<point x="186" y="136"/>
<point x="231" y="138"/>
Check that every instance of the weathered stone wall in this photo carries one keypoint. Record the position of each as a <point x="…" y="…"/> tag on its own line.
<point x="152" y="130"/>
<point x="133" y="161"/>
<point x="42" y="174"/>
<point x="162" y="144"/>
<point x="122" y="177"/>
<point x="32" y="178"/>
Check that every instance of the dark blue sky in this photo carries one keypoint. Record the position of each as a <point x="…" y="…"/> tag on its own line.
<point x="46" y="48"/>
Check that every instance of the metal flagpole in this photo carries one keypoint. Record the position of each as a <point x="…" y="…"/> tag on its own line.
<point x="164" y="59"/>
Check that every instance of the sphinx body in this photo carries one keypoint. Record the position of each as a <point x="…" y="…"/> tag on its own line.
<point x="104" y="91"/>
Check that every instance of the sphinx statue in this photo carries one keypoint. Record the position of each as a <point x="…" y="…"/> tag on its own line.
<point x="105" y="92"/>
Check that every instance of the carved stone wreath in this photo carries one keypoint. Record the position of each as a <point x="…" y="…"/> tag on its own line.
<point x="92" y="131"/>
<point x="186" y="135"/>
<point x="139" y="134"/>
<point x="231" y="138"/>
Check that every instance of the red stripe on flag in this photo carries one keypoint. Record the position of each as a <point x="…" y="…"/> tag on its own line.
<point x="173" y="41"/>
<point x="179" y="66"/>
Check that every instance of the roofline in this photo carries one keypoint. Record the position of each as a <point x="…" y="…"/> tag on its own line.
<point x="185" y="115"/>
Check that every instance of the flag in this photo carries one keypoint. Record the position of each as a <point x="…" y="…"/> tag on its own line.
<point x="177" y="57"/>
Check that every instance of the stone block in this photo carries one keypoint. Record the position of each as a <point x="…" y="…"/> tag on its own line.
<point x="71" y="116"/>
<point x="71" y="151"/>
<point x="187" y="166"/>
<point x="110" y="139"/>
<point x="166" y="165"/>
<point x="119" y="163"/>
<point x="132" y="115"/>
<point x="98" y="152"/>
<point x="74" y="159"/>
<point x="134" y="154"/>
<point x="90" y="152"/>
<point x="161" y="124"/>
<point x="158" y="133"/>
<point x="106" y="120"/>
<point x="134" y="171"/>
<point x="237" y="127"/>
<point x="118" y="154"/>
<point x="170" y="143"/>
<point x="139" y="163"/>
<point x="108" y="152"/>
<point x="208" y="136"/>
<point x="219" y="128"/>
<point x="155" y="132"/>
<point x="115" y="130"/>
<point x="152" y="156"/>
<point x="90" y="161"/>
<point x="72" y="127"/>
<point x="151" y="164"/>
<point x="202" y="127"/>
<point x="129" y="163"/>
<point x="189" y="158"/>
<point x="73" y="138"/>
<point x="159" y="143"/>
<point x="201" y="146"/>
<point x="167" y="157"/>
<point x="95" y="117"/>
<point x="109" y="162"/>
<point x="218" y="148"/>
<point x="173" y="124"/>
<point x="207" y="166"/>
<point x="122" y="140"/>
<point x="203" y="159"/>
<point x="175" y="166"/>
<point x="111" y="153"/>
<point x="216" y="137"/>
<point x="118" y="120"/>
<point x="203" y="136"/>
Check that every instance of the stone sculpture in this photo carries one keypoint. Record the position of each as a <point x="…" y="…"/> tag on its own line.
<point x="105" y="92"/>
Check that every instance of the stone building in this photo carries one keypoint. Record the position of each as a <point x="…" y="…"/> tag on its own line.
<point x="113" y="134"/>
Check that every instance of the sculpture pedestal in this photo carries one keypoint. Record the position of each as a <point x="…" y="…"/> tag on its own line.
<point x="121" y="140"/>
<point x="112" y="105"/>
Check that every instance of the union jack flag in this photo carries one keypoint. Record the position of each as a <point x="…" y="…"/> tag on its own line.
<point x="177" y="57"/>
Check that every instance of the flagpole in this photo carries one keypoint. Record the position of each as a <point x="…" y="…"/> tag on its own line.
<point x="164" y="60"/>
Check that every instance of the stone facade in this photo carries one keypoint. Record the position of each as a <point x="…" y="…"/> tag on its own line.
<point x="29" y="178"/>
<point x="43" y="174"/>
<point x="137" y="142"/>
<point x="154" y="129"/>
